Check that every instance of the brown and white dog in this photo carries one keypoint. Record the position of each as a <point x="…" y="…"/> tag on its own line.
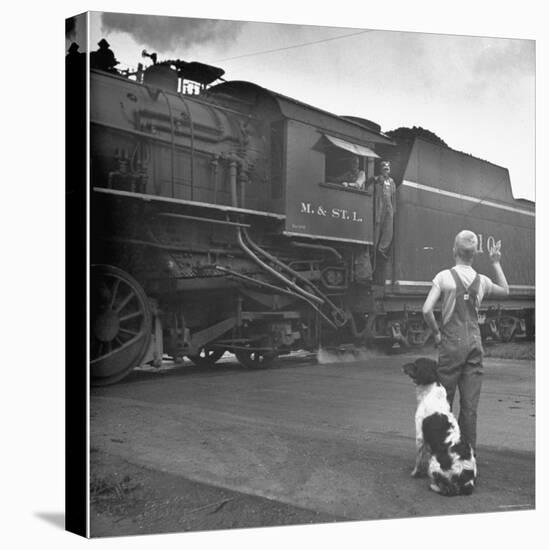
<point x="440" y="451"/>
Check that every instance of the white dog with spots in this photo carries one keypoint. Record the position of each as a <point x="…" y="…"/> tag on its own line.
<point x="440" y="451"/>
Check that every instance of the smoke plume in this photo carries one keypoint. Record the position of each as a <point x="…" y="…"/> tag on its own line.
<point x="166" y="34"/>
<point x="76" y="30"/>
<point x="325" y="356"/>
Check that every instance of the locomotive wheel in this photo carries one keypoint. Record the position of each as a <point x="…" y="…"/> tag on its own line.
<point x="120" y="324"/>
<point x="207" y="357"/>
<point x="253" y="359"/>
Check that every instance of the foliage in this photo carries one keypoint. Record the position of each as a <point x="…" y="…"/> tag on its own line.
<point x="408" y="134"/>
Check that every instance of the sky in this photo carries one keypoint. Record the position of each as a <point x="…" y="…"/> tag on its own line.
<point x="476" y="93"/>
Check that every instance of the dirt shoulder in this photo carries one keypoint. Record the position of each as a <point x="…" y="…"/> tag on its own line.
<point x="127" y="499"/>
<point x="510" y="350"/>
<point x="519" y="349"/>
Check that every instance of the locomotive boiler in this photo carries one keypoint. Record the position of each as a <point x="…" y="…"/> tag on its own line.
<point x="218" y="223"/>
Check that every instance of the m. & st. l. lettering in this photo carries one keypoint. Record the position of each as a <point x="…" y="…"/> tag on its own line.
<point x="336" y="213"/>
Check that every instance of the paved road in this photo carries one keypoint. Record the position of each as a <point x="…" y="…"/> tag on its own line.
<point x="336" y="439"/>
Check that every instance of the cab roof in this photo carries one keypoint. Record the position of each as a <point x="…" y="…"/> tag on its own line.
<point x="293" y="109"/>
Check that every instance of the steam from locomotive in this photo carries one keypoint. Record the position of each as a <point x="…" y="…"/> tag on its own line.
<point x="163" y="33"/>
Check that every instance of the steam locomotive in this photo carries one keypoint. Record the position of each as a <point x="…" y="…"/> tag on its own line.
<point x="217" y="224"/>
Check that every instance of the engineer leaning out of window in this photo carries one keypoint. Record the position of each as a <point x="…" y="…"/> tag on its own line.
<point x="353" y="177"/>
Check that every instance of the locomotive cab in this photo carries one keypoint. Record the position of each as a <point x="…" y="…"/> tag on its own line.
<point x="307" y="151"/>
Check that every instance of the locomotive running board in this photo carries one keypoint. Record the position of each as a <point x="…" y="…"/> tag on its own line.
<point x="423" y="287"/>
<point x="183" y="202"/>
<point x="324" y="238"/>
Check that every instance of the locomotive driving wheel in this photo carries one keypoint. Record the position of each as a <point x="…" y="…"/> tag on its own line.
<point x="120" y="324"/>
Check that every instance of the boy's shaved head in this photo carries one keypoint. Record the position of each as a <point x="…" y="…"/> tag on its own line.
<point x="465" y="245"/>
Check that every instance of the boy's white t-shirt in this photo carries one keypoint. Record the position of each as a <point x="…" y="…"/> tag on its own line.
<point x="445" y="282"/>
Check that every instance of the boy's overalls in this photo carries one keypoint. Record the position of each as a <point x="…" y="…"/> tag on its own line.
<point x="460" y="356"/>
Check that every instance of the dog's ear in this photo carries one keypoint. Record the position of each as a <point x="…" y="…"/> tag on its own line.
<point x="409" y="369"/>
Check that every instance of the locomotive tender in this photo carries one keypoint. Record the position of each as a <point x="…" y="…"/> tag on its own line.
<point x="216" y="225"/>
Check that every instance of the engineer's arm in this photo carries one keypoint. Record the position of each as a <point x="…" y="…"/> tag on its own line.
<point x="369" y="185"/>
